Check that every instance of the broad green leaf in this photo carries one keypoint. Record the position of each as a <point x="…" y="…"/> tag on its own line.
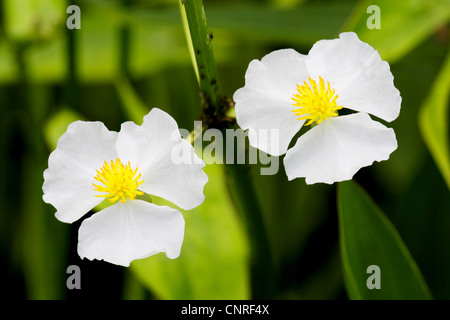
<point x="368" y="238"/>
<point x="403" y="24"/>
<point x="433" y="121"/>
<point x="213" y="260"/>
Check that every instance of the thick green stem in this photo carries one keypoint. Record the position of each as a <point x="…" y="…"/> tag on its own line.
<point x="205" y="64"/>
<point x="239" y="181"/>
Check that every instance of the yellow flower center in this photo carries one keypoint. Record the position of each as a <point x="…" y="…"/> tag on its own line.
<point x="119" y="181"/>
<point x="315" y="102"/>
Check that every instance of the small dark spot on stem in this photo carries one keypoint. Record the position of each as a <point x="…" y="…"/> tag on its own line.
<point x="202" y="75"/>
<point x="210" y="36"/>
<point x="213" y="81"/>
<point x="198" y="51"/>
<point x="201" y="66"/>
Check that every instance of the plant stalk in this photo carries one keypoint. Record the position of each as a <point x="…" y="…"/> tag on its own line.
<point x="240" y="184"/>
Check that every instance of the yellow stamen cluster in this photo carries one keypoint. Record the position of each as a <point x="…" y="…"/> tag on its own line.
<point x="315" y="102"/>
<point x="119" y="181"/>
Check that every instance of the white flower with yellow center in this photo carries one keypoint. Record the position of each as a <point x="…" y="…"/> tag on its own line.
<point x="91" y="163"/>
<point x="286" y="90"/>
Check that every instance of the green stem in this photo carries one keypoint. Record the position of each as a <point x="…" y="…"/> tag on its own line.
<point x="261" y="264"/>
<point x="243" y="193"/>
<point x="125" y="43"/>
<point x="42" y="256"/>
<point x="205" y="65"/>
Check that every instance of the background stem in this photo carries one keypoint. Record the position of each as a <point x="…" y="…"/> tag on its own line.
<point x="125" y="45"/>
<point x="71" y="88"/>
<point x="261" y="264"/>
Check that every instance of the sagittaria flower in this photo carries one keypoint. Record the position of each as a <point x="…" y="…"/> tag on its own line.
<point x="91" y="163"/>
<point x="287" y="90"/>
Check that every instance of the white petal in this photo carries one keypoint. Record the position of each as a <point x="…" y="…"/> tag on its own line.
<point x="150" y="147"/>
<point x="338" y="147"/>
<point x="265" y="102"/>
<point x="179" y="182"/>
<point x="355" y="70"/>
<point x="80" y="151"/>
<point x="156" y="136"/>
<point x="132" y="230"/>
<point x="277" y="74"/>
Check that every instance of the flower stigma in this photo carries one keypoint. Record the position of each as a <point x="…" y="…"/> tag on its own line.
<point x="119" y="181"/>
<point x="315" y="102"/>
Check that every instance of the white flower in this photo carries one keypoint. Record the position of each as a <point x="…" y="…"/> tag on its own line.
<point x="91" y="163"/>
<point x="286" y="89"/>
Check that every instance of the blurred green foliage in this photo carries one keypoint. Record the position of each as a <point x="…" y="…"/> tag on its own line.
<point x="130" y="56"/>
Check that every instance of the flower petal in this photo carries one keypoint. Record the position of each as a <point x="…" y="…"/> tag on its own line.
<point x="178" y="181"/>
<point x="80" y="151"/>
<point x="265" y="102"/>
<point x="132" y="230"/>
<point x="362" y="80"/>
<point x="338" y="147"/>
<point x="152" y="148"/>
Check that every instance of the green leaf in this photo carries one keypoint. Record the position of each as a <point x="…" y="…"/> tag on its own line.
<point x="403" y="24"/>
<point x="433" y="121"/>
<point x="57" y="124"/>
<point x="213" y="260"/>
<point x="368" y="238"/>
